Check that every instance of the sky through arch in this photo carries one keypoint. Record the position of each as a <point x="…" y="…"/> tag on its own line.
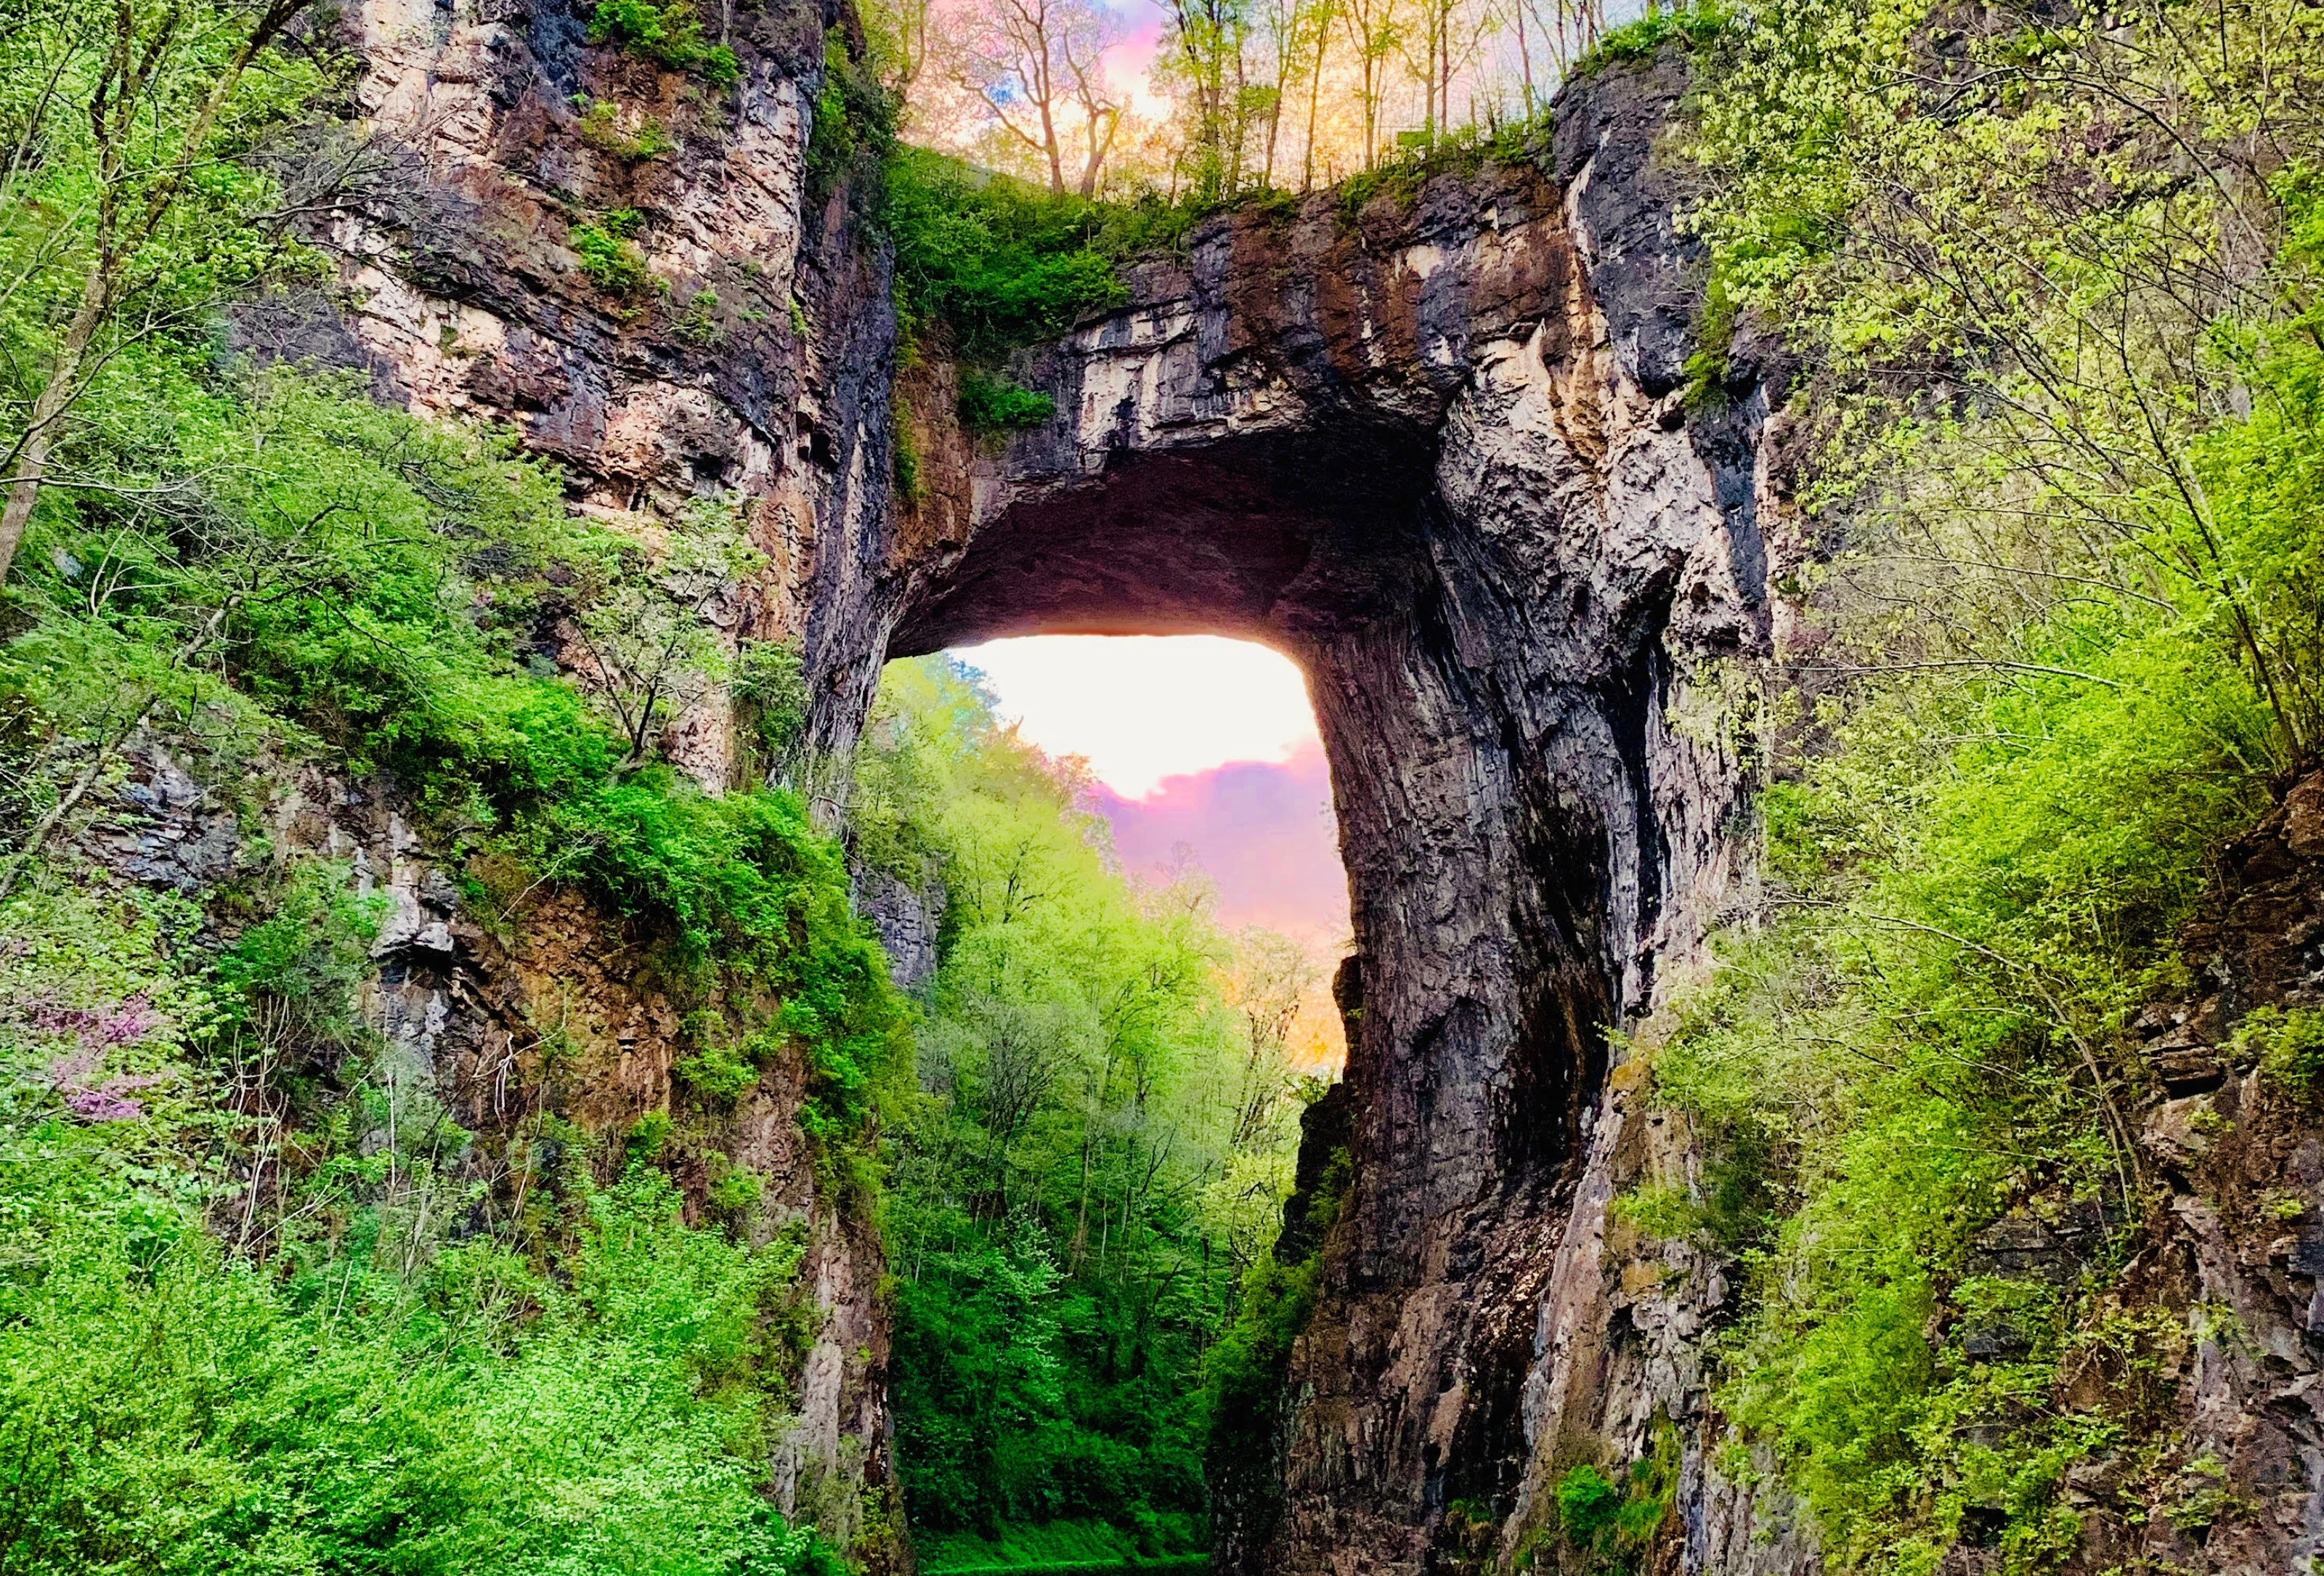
<point x="1202" y="747"/>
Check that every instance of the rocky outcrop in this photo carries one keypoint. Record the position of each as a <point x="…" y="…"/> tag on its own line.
<point x="752" y="363"/>
<point x="1441" y="448"/>
<point x="528" y="1019"/>
<point x="1438" y="450"/>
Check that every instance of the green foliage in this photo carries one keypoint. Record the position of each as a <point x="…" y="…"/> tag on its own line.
<point x="2070" y="640"/>
<point x="601" y="127"/>
<point x="349" y="1387"/>
<point x="1690" y="27"/>
<point x="2288" y="1047"/>
<point x="264" y="1305"/>
<point x="907" y="452"/>
<point x="1091" y="1156"/>
<point x="854" y="131"/>
<point x="1242" y="1388"/>
<point x="603" y="252"/>
<point x="1610" y="1525"/>
<point x="164" y="143"/>
<point x="295" y="973"/>
<point x="1000" y="264"/>
<point x="165" y="1408"/>
<point x="771" y="684"/>
<point x="720" y="1074"/>
<point x="994" y="405"/>
<point x="699" y="324"/>
<point x="1588" y="1504"/>
<point x="1243" y="1374"/>
<point x="1069" y="1548"/>
<point x="741" y="884"/>
<point x="669" y="35"/>
<point x="1401" y="175"/>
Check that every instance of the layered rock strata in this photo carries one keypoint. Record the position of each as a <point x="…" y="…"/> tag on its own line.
<point x="1437" y="449"/>
<point x="1441" y="448"/>
<point x="749" y="362"/>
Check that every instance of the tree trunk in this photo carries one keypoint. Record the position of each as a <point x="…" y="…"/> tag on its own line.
<point x="1314" y="91"/>
<point x="33" y="454"/>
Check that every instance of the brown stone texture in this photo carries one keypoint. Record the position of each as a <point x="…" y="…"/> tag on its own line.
<point x="755" y="369"/>
<point x="1436" y="449"/>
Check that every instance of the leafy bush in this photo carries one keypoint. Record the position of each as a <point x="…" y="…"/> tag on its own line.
<point x="2289" y="1046"/>
<point x="771" y="684"/>
<point x="997" y="262"/>
<point x="1588" y="1503"/>
<point x="669" y="35"/>
<point x="1611" y="1524"/>
<point x="601" y="128"/>
<point x="1692" y="26"/>
<point x="294" y="975"/>
<point x="164" y="1409"/>
<point x="854" y="131"/>
<point x="993" y="404"/>
<point x="605" y="254"/>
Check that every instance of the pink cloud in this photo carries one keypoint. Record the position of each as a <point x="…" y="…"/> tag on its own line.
<point x="1263" y="832"/>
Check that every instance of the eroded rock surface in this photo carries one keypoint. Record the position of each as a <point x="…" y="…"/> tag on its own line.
<point x="1443" y="452"/>
<point x="752" y="366"/>
<point x="1438" y="451"/>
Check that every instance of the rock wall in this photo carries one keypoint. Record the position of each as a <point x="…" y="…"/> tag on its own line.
<point x="1439" y="451"/>
<point x="755" y="365"/>
<point x="1439" y="448"/>
<point x="1436" y="449"/>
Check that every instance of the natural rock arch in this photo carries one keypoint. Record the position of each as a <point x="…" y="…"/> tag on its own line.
<point x="1437" y="451"/>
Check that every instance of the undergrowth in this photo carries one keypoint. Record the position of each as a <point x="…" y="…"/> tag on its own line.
<point x="667" y="34"/>
<point x="2068" y="651"/>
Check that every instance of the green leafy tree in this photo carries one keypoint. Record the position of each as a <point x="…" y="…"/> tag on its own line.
<point x="127" y="205"/>
<point x="1088" y="1156"/>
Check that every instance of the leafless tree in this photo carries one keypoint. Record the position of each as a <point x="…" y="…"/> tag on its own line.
<point x="1037" y="65"/>
<point x="1270" y="979"/>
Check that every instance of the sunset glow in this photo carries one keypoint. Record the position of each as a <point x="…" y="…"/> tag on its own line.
<point x="1202" y="747"/>
<point x="1141" y="708"/>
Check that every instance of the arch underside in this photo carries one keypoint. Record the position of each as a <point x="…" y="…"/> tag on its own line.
<point x="1494" y="735"/>
<point x="1442" y="462"/>
<point x="1281" y="538"/>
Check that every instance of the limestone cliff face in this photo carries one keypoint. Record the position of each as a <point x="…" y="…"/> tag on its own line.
<point x="1437" y="451"/>
<point x="755" y="365"/>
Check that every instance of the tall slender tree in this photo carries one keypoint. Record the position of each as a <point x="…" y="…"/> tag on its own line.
<point x="122" y="111"/>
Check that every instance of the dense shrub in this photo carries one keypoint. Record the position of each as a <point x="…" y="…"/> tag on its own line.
<point x="669" y="35"/>
<point x="998" y="263"/>
<point x="992" y="404"/>
<point x="164" y="1407"/>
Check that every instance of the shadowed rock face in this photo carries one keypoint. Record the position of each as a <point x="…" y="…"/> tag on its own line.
<point x="1437" y="452"/>
<point x="1434" y="450"/>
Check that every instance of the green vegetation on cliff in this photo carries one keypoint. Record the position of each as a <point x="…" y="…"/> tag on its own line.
<point x="267" y="1301"/>
<point x="2059" y="282"/>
